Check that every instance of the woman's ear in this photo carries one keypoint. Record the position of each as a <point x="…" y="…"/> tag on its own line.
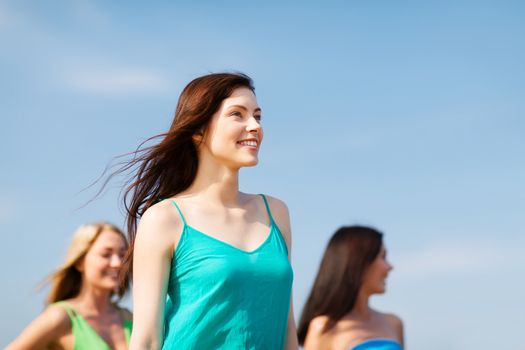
<point x="198" y="137"/>
<point x="79" y="265"/>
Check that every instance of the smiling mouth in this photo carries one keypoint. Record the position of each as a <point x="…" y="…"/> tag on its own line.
<point x="250" y="143"/>
<point x="112" y="274"/>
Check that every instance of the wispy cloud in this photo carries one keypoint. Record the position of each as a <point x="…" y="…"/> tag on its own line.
<point x="117" y="81"/>
<point x="9" y="18"/>
<point x="460" y="257"/>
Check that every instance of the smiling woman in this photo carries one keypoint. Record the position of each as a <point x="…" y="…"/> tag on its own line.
<point x="81" y="313"/>
<point x="210" y="263"/>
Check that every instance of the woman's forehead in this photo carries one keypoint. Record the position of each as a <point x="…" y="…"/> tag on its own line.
<point x="108" y="238"/>
<point x="241" y="96"/>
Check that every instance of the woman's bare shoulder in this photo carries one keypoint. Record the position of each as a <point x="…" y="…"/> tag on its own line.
<point x="395" y="322"/>
<point x="56" y="315"/>
<point x="163" y="212"/>
<point x="318" y="324"/>
<point x="161" y="222"/>
<point x="316" y="337"/>
<point x="279" y="211"/>
<point x="281" y="216"/>
<point x="393" y="319"/>
<point x="44" y="330"/>
<point x="277" y="205"/>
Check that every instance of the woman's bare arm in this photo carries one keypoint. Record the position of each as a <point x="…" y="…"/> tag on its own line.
<point x="43" y="330"/>
<point x="157" y="235"/>
<point x="282" y="219"/>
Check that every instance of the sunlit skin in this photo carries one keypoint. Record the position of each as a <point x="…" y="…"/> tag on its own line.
<point x="237" y="126"/>
<point x="374" y="280"/>
<point x="363" y="322"/>
<point x="99" y="268"/>
<point x="212" y="204"/>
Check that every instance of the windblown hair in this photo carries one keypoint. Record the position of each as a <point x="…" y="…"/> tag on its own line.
<point x="170" y="166"/>
<point x="350" y="251"/>
<point x="66" y="281"/>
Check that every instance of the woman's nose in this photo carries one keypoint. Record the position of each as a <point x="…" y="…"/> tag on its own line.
<point x="253" y="125"/>
<point x="116" y="261"/>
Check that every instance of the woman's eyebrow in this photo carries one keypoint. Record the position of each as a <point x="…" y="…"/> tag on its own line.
<point x="244" y="108"/>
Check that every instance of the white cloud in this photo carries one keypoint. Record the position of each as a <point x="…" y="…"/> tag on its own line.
<point x="117" y="81"/>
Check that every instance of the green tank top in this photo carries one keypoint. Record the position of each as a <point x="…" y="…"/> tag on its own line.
<point x="222" y="297"/>
<point x="85" y="337"/>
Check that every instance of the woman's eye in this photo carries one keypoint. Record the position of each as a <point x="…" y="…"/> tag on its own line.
<point x="236" y="114"/>
<point x="258" y="117"/>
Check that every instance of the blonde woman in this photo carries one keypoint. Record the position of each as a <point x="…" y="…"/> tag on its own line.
<point x="82" y="312"/>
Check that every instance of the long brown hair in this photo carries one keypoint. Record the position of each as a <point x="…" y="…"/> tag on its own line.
<point x="170" y="166"/>
<point x="348" y="254"/>
<point x="66" y="281"/>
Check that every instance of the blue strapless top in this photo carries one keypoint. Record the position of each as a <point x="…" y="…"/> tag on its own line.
<point x="378" y="344"/>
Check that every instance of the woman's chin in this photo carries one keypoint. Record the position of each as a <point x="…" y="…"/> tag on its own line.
<point x="250" y="163"/>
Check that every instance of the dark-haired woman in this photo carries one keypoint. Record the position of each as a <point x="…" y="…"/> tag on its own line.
<point x="81" y="314"/>
<point x="210" y="263"/>
<point x="337" y="315"/>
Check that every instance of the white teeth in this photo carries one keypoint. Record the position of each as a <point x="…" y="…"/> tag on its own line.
<point x="249" y="143"/>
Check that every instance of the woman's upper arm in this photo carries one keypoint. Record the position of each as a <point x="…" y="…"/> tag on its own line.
<point x="43" y="330"/>
<point x="400" y="332"/>
<point x="282" y="219"/>
<point x="397" y="325"/>
<point x="291" y="330"/>
<point x="157" y="235"/>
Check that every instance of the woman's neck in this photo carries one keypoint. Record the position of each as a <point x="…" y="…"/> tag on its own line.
<point x="361" y="308"/>
<point x="216" y="182"/>
<point x="95" y="299"/>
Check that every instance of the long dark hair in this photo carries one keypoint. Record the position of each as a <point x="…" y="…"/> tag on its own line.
<point x="170" y="166"/>
<point x="350" y="251"/>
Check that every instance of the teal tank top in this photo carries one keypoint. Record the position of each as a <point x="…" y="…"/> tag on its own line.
<point x="378" y="344"/>
<point x="222" y="297"/>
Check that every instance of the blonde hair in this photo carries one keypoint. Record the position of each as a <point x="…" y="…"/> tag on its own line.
<point x="66" y="281"/>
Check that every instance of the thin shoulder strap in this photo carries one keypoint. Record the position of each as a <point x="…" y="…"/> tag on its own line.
<point x="69" y="309"/>
<point x="180" y="212"/>
<point x="267" y="208"/>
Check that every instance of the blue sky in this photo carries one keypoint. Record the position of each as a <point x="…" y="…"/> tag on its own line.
<point x="404" y="115"/>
